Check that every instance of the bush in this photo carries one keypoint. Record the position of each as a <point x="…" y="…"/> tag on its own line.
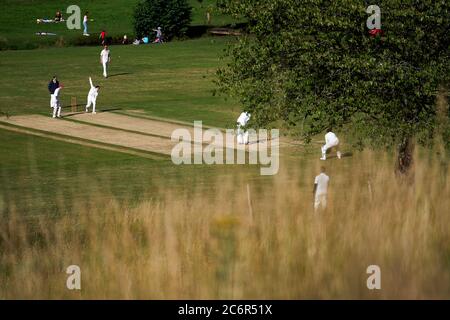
<point x="173" y="16"/>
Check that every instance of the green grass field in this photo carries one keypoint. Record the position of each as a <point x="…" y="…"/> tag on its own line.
<point x="18" y="25"/>
<point x="43" y="177"/>
<point x="145" y="228"/>
<point x="171" y="81"/>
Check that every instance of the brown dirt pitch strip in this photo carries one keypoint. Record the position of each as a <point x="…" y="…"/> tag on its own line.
<point x="141" y="125"/>
<point x="108" y="129"/>
<point x="92" y="133"/>
<point x="145" y="126"/>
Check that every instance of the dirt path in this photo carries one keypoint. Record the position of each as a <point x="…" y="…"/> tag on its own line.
<point x="93" y="133"/>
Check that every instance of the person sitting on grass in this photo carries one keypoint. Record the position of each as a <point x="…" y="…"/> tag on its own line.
<point x="45" y="20"/>
<point x="58" y="16"/>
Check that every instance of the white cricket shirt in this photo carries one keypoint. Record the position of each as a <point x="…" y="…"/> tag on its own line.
<point x="331" y="138"/>
<point x="322" y="183"/>
<point x="104" y="55"/>
<point x="243" y="119"/>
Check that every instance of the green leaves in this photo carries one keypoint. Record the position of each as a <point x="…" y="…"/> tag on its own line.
<point x="173" y="16"/>
<point x="313" y="64"/>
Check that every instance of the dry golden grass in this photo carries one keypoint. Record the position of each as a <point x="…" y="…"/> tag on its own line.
<point x="195" y="247"/>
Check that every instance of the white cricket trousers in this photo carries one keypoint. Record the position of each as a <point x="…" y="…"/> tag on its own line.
<point x="91" y="101"/>
<point x="57" y="110"/>
<point x="56" y="105"/>
<point x="105" y="69"/>
<point x="320" y="201"/>
<point x="242" y="136"/>
<point x="330" y="145"/>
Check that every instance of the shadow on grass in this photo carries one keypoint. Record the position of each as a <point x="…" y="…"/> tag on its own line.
<point x="82" y="111"/>
<point x="119" y="74"/>
<point x="343" y="155"/>
<point x="110" y="110"/>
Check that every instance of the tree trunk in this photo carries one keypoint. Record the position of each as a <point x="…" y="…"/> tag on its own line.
<point x="405" y="156"/>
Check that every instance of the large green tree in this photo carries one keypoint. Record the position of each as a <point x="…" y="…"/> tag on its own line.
<point x="173" y="16"/>
<point x="313" y="64"/>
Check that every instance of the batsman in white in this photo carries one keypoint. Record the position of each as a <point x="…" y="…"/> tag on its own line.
<point x="105" y="59"/>
<point x="320" y="190"/>
<point x="92" y="97"/>
<point x="55" y="103"/>
<point x="331" y="141"/>
<point x="242" y="134"/>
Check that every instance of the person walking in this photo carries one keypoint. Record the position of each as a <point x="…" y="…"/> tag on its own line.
<point x="102" y="37"/>
<point x="105" y="59"/>
<point x="320" y="190"/>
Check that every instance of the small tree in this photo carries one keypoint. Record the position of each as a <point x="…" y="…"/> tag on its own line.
<point x="173" y="16"/>
<point x="313" y="64"/>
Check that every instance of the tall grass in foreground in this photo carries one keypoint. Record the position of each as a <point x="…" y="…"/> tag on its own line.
<point x="186" y="245"/>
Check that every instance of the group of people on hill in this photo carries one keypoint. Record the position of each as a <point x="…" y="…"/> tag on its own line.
<point x="145" y="40"/>
<point x="102" y="36"/>
<point x="59" y="18"/>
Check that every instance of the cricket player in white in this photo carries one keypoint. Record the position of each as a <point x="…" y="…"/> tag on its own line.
<point x="105" y="59"/>
<point x="331" y="141"/>
<point x="55" y="103"/>
<point x="242" y="136"/>
<point x="92" y="97"/>
<point x="320" y="190"/>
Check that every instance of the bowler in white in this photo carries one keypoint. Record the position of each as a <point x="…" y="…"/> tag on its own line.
<point x="105" y="59"/>
<point x="242" y="135"/>
<point x="320" y="190"/>
<point x="331" y="141"/>
<point x="92" y="97"/>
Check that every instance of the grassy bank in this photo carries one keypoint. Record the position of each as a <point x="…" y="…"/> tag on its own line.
<point x="209" y="243"/>
<point x="18" y="25"/>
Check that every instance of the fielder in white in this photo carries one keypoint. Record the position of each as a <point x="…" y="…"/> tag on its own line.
<point x="331" y="141"/>
<point x="242" y="135"/>
<point x="105" y="59"/>
<point x="320" y="190"/>
<point x="55" y="103"/>
<point x="92" y="97"/>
